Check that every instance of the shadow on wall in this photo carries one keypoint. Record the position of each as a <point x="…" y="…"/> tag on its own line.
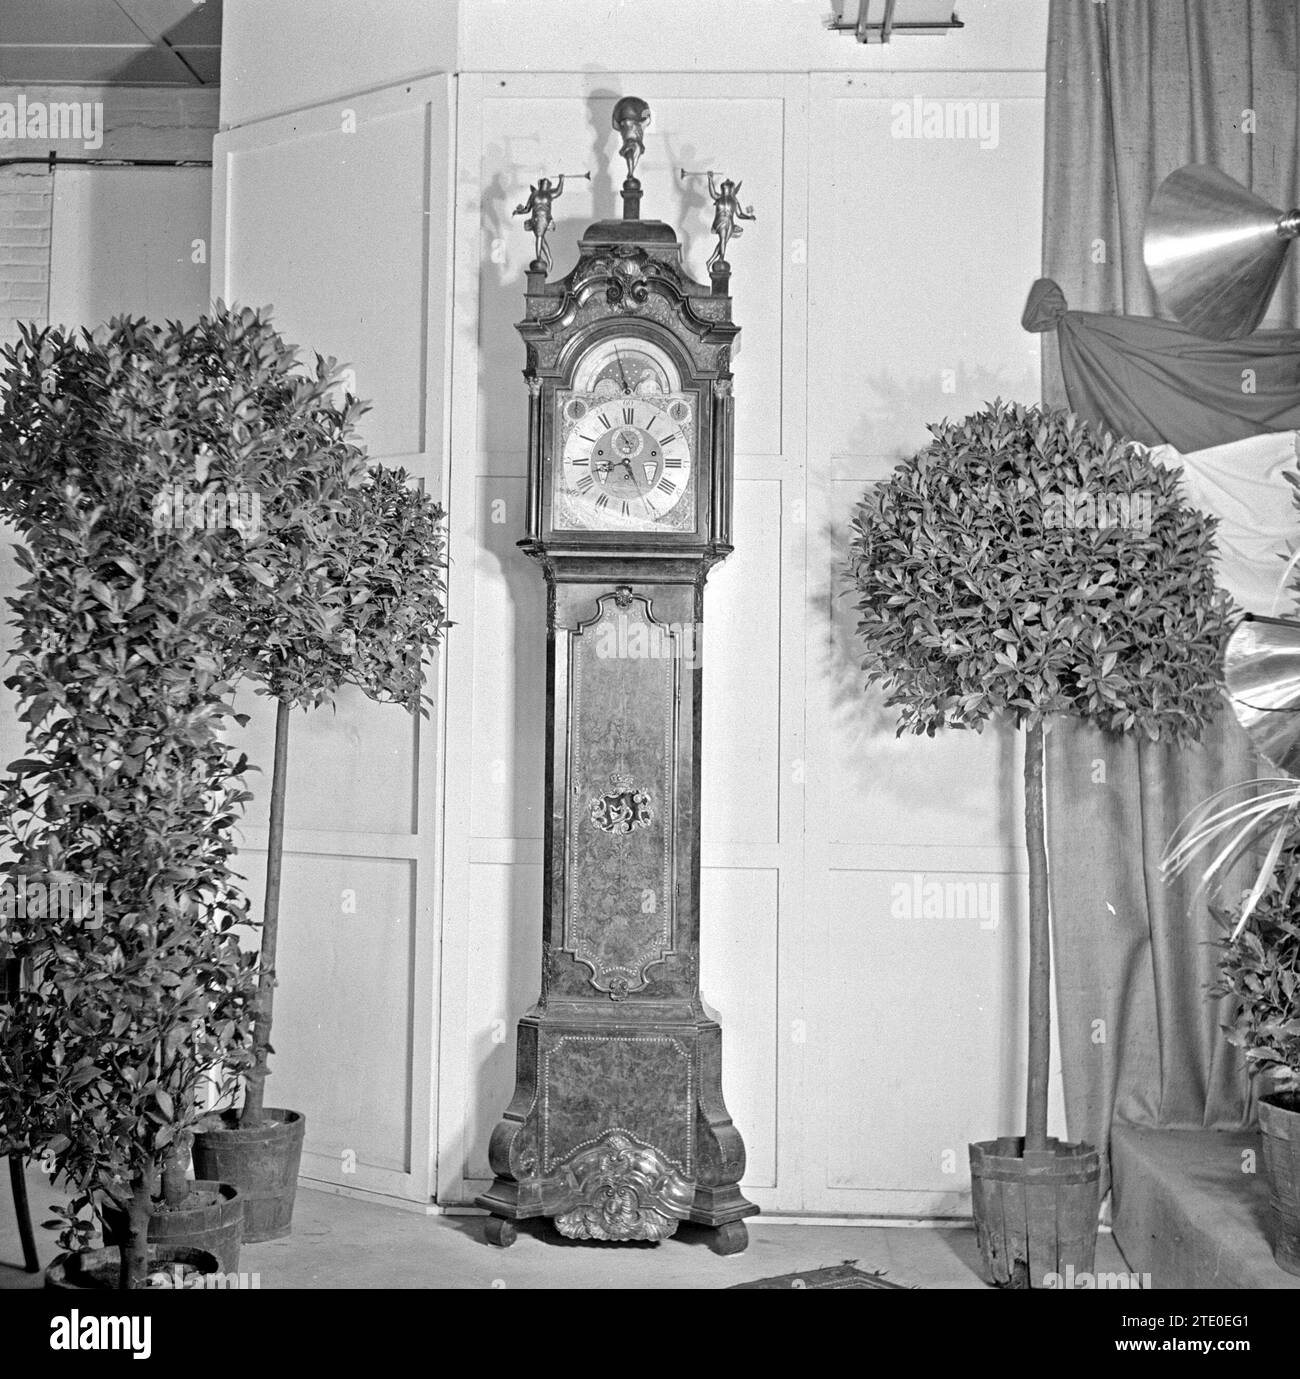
<point x="896" y="411"/>
<point x="891" y="431"/>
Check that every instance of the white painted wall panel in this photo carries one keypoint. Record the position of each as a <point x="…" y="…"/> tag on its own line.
<point x="343" y="1030"/>
<point x="352" y="765"/>
<point x="918" y="1046"/>
<point x="741" y="789"/>
<point x="329" y="229"/>
<point x="732" y="36"/>
<point x="504" y="975"/>
<point x="740" y="982"/>
<point x="344" y="227"/>
<point x="934" y="1007"/>
<point x="506" y="785"/>
<point x="280" y="55"/>
<point x="934" y="242"/>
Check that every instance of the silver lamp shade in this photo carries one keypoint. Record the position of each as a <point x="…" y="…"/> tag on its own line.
<point x="1261" y="667"/>
<point x="1214" y="251"/>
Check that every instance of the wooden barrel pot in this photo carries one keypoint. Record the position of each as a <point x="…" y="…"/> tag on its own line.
<point x="1035" y="1213"/>
<point x="1279" y="1123"/>
<point x="211" y="1218"/>
<point x="262" y="1163"/>
<point x="170" y="1266"/>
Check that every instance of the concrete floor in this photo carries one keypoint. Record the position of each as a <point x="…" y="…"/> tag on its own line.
<point x="340" y="1242"/>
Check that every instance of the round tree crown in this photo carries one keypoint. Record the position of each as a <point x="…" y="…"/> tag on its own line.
<point x="1025" y="564"/>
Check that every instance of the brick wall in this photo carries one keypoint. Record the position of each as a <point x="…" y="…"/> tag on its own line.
<point x="26" y="201"/>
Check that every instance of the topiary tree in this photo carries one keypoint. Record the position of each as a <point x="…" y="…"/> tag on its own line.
<point x="1024" y="565"/>
<point x="347" y="590"/>
<point x="119" y="817"/>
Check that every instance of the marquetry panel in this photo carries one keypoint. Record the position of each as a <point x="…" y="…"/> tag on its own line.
<point x="621" y="788"/>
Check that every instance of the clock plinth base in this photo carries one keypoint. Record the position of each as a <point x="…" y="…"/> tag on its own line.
<point x="659" y="1149"/>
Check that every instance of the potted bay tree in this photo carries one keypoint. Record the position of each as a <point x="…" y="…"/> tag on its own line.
<point x="117" y="822"/>
<point x="1022" y="566"/>
<point x="346" y="589"/>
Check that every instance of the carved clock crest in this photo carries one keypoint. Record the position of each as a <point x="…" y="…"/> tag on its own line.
<point x="617" y="1129"/>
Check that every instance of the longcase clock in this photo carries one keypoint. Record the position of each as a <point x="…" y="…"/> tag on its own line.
<point x="617" y="1129"/>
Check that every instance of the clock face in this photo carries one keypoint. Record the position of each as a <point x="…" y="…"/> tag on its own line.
<point x="627" y="440"/>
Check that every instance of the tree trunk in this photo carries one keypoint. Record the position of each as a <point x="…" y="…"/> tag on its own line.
<point x="1040" y="947"/>
<point x="255" y="1082"/>
<point x="175" y="1185"/>
<point x="134" y="1249"/>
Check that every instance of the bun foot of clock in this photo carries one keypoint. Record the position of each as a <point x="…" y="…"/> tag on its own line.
<point x="730" y="1239"/>
<point x="501" y="1231"/>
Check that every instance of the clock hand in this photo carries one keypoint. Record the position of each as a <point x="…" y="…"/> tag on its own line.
<point x="627" y="464"/>
<point x="627" y="387"/>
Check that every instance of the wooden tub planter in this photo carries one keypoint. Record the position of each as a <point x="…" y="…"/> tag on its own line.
<point x="170" y="1266"/>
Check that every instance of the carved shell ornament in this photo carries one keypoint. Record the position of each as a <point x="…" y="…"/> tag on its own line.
<point x="628" y="1191"/>
<point x="628" y="284"/>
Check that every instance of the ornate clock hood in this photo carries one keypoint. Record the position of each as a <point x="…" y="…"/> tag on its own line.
<point x="628" y="281"/>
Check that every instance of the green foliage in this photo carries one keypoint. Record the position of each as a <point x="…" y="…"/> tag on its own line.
<point x="1260" y="971"/>
<point x="347" y="587"/>
<point x="980" y="592"/>
<point x="124" y="458"/>
<point x="127" y="790"/>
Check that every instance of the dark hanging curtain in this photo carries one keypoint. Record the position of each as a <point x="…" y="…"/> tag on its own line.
<point x="1135" y="90"/>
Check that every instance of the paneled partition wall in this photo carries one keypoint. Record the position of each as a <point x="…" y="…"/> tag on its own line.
<point x="867" y="1036"/>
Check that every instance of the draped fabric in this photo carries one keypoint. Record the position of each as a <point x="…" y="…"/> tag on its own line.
<point x="1159" y="383"/>
<point x="1250" y="487"/>
<point x="1135" y="90"/>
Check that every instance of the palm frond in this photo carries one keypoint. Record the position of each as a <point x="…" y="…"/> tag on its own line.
<point x="1267" y="818"/>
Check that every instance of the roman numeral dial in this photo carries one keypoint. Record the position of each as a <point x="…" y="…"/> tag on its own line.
<point x="626" y="461"/>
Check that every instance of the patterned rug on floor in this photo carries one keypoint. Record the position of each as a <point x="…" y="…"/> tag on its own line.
<point x="846" y="1275"/>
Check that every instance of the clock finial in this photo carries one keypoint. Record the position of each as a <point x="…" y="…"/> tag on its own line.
<point x="631" y="116"/>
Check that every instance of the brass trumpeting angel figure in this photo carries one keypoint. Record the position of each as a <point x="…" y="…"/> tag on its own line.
<point x="538" y="210"/>
<point x="727" y="210"/>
